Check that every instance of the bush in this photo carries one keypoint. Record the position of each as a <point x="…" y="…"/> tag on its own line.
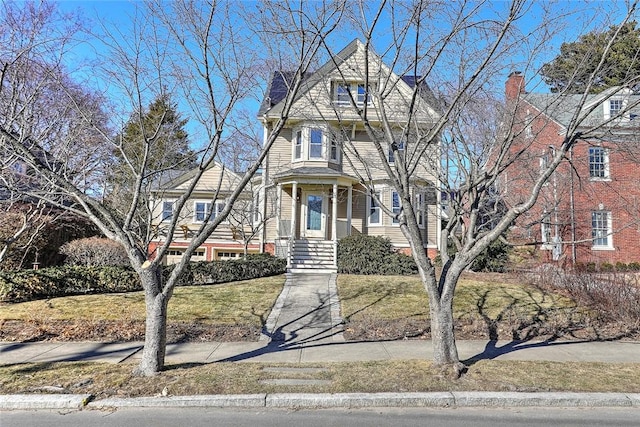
<point x="250" y="267"/>
<point x="28" y="285"/>
<point x="94" y="251"/>
<point x="493" y="259"/>
<point x="360" y="254"/>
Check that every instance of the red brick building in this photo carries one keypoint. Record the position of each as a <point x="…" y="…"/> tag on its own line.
<point x="589" y="210"/>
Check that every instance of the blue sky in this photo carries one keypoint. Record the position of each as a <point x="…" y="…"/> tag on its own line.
<point x="119" y="14"/>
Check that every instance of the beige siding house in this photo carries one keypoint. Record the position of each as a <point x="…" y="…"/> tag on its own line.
<point x="207" y="200"/>
<point x="325" y="177"/>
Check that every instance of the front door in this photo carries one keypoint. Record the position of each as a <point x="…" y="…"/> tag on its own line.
<point x="315" y="215"/>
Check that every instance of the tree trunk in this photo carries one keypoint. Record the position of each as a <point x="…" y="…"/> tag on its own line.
<point x="445" y="352"/>
<point x="155" y="338"/>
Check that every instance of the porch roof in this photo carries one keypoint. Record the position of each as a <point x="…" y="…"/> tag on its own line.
<point x="307" y="172"/>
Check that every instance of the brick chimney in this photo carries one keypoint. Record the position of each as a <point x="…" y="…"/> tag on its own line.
<point x="514" y="86"/>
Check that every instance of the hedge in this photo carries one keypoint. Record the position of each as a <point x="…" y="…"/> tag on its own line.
<point x="361" y="254"/>
<point x="28" y="285"/>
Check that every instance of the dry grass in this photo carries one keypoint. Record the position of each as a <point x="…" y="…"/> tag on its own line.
<point x="377" y="307"/>
<point x="103" y="380"/>
<point x="238" y="302"/>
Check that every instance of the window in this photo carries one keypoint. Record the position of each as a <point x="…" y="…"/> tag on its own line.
<point x="297" y="149"/>
<point x="201" y="211"/>
<point x="400" y="149"/>
<point x="374" y="217"/>
<point x="167" y="211"/>
<point x="363" y="96"/>
<point x="601" y="229"/>
<point x="598" y="163"/>
<point x="333" y="149"/>
<point x="545" y="230"/>
<point x="315" y="144"/>
<point x="615" y="107"/>
<point x="395" y="207"/>
<point x="421" y="209"/>
<point x="342" y="91"/>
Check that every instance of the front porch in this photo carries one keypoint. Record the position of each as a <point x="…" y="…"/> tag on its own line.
<point x="311" y="216"/>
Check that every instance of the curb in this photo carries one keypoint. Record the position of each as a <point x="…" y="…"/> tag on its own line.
<point x="327" y="400"/>
<point x="44" y="401"/>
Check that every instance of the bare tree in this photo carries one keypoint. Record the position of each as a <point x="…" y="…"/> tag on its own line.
<point x="456" y="119"/>
<point x="192" y="48"/>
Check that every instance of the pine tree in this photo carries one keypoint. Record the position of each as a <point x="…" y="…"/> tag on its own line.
<point x="571" y="70"/>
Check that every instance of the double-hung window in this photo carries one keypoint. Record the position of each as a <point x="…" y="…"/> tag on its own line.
<point x="598" y="163"/>
<point x="315" y="143"/>
<point x="343" y="91"/>
<point x="395" y="207"/>
<point x="601" y="229"/>
<point x="297" y="146"/>
<point x="374" y="216"/>
<point x="545" y="230"/>
<point x="615" y="107"/>
<point x="167" y="211"/>
<point x="201" y="211"/>
<point x="421" y="209"/>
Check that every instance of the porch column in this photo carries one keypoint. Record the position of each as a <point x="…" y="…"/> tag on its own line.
<point x="278" y="210"/>
<point x="334" y="213"/>
<point x="294" y="213"/>
<point x="349" y="208"/>
<point x="334" y="223"/>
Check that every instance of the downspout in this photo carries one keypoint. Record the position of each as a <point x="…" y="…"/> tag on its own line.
<point x="572" y="210"/>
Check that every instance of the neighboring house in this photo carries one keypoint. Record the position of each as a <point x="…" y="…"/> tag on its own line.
<point x="206" y="202"/>
<point x="589" y="211"/>
<point x="323" y="169"/>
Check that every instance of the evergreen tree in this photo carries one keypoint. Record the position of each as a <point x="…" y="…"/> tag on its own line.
<point x="572" y="68"/>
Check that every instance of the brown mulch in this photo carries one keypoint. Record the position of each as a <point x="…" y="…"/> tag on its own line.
<point x="121" y="331"/>
<point x="365" y="330"/>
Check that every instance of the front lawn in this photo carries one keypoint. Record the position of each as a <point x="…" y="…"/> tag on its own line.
<point x="233" y="311"/>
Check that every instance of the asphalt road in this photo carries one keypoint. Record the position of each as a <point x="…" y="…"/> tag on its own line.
<point x="396" y="417"/>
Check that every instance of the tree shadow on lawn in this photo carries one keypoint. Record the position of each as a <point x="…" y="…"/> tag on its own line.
<point x="557" y="324"/>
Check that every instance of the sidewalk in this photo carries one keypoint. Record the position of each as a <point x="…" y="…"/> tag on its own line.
<point x="305" y="327"/>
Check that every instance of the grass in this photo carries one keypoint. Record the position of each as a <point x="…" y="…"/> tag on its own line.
<point x="482" y="308"/>
<point x="102" y="380"/>
<point x="246" y="302"/>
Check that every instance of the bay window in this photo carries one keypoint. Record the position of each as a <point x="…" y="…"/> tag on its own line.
<point x="315" y="143"/>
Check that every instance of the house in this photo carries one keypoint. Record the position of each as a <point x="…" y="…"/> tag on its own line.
<point x="323" y="178"/>
<point x="230" y="239"/>
<point x="589" y="210"/>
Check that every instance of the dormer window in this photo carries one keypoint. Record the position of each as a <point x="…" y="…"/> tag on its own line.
<point x="342" y="90"/>
<point x="315" y="143"/>
<point x="615" y="107"/>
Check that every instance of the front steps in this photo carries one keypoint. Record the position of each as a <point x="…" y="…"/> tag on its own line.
<point x="312" y="256"/>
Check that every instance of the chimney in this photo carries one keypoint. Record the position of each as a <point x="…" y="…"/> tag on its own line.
<point x="514" y="86"/>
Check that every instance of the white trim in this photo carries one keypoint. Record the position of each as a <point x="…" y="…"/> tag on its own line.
<point x="395" y="222"/>
<point x="609" y="232"/>
<point x="370" y="206"/>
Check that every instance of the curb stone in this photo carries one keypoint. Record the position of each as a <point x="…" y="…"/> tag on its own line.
<point x="328" y="400"/>
<point x="44" y="401"/>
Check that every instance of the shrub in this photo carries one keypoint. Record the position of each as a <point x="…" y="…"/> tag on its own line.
<point x="360" y="254"/>
<point x="250" y="267"/>
<point x="94" y="251"/>
<point x="493" y="259"/>
<point x="27" y="285"/>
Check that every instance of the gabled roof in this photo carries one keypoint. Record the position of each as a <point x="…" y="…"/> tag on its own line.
<point x="175" y="178"/>
<point x="281" y="81"/>
<point x="562" y="107"/>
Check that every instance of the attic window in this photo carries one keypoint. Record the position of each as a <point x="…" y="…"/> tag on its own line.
<point x="341" y="91"/>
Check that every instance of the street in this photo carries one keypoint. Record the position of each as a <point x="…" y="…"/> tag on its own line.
<point x="397" y="417"/>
